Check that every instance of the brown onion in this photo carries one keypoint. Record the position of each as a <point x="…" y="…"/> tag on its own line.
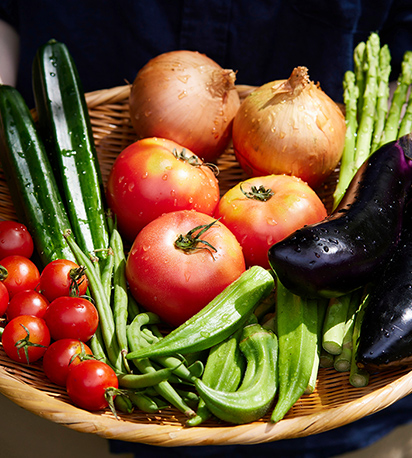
<point x="186" y="97"/>
<point x="289" y="127"/>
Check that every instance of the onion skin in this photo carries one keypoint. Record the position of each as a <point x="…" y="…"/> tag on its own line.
<point x="289" y="127"/>
<point x="186" y="97"/>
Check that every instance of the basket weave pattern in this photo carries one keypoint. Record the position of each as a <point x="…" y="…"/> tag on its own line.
<point x="334" y="402"/>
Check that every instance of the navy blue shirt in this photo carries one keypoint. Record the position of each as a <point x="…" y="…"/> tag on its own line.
<point x="110" y="40"/>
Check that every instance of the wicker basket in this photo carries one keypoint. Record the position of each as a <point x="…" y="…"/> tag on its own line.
<point x="334" y="402"/>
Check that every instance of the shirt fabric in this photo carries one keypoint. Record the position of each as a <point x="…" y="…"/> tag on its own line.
<point x="110" y="40"/>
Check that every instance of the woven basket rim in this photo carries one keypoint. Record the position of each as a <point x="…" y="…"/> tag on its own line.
<point x="162" y="430"/>
<point x="167" y="435"/>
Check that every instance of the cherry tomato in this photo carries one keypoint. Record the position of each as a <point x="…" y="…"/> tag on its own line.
<point x="25" y="338"/>
<point x="15" y="239"/>
<point x="154" y="176"/>
<point x="263" y="210"/>
<point x="22" y="274"/>
<point x="88" y="382"/>
<point x="62" y="277"/>
<point x="4" y="298"/>
<point x="28" y="302"/>
<point x="71" y="317"/>
<point x="172" y="282"/>
<point x="61" y="356"/>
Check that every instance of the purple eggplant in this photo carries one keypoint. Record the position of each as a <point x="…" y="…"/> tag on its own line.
<point x="348" y="249"/>
<point x="386" y="331"/>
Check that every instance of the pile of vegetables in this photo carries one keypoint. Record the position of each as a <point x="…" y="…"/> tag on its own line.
<point x="221" y="306"/>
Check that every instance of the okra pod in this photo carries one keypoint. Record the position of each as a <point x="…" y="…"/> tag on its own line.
<point x="218" y="320"/>
<point x="250" y="402"/>
<point x="223" y="371"/>
<point x="297" y="328"/>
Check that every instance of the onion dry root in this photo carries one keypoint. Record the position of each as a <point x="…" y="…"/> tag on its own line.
<point x="289" y="127"/>
<point x="186" y="97"/>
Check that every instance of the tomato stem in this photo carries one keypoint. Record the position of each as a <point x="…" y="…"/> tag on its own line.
<point x="3" y="273"/>
<point x="193" y="160"/>
<point x="258" y="193"/>
<point x="76" y="276"/>
<point x="25" y="342"/>
<point x="190" y="242"/>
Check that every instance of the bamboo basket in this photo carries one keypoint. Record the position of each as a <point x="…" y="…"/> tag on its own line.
<point x="334" y="402"/>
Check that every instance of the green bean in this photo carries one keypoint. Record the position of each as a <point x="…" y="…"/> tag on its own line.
<point x="144" y="365"/>
<point x="101" y="302"/>
<point x="144" y="402"/>
<point x="97" y="346"/>
<point x="107" y="273"/>
<point x="190" y="397"/>
<point x="132" y="307"/>
<point x="120" y="293"/>
<point x="136" y="381"/>
<point x="123" y="403"/>
<point x="146" y="338"/>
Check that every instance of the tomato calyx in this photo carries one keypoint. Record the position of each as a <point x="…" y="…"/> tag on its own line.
<point x="76" y="276"/>
<point x="193" y="160"/>
<point x="110" y="393"/>
<point x="25" y="342"/>
<point x="82" y="355"/>
<point x="191" y="241"/>
<point x="3" y="273"/>
<point x="258" y="193"/>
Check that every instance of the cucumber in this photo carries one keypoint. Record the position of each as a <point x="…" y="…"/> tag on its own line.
<point x="30" y="178"/>
<point x="64" y="124"/>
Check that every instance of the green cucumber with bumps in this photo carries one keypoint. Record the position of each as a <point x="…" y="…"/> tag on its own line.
<point x="29" y="175"/>
<point x="65" y="126"/>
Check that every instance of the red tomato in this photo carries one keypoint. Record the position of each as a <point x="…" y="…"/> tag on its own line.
<point x="62" y="277"/>
<point x="28" y="302"/>
<point x="258" y="224"/>
<point x="22" y="274"/>
<point x="147" y="180"/>
<point x="15" y="239"/>
<point x="25" y="338"/>
<point x="4" y="298"/>
<point x="61" y="356"/>
<point x="176" y="284"/>
<point x="71" y="317"/>
<point x="88" y="382"/>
